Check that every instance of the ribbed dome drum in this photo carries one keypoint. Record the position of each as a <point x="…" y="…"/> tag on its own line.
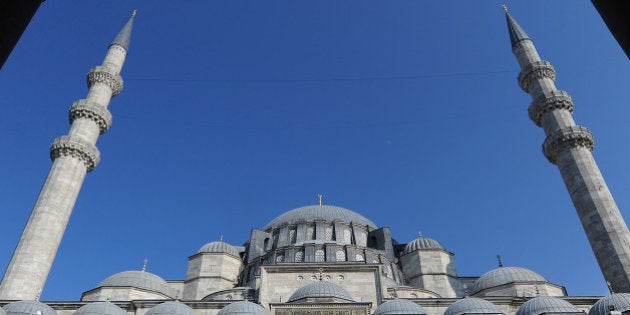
<point x="28" y="308"/>
<point x="619" y="301"/>
<point x="243" y="308"/>
<point x="399" y="306"/>
<point x="546" y="304"/>
<point x="320" y="289"/>
<point x="422" y="243"/>
<point x="171" y="308"/>
<point x="319" y="213"/>
<point x="138" y="279"/>
<point x="219" y="247"/>
<point x="505" y="275"/>
<point x="472" y="306"/>
<point x="100" y="308"/>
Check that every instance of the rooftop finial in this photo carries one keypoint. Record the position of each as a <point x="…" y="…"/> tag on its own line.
<point x="136" y="11"/>
<point x="505" y="9"/>
<point x="466" y="290"/>
<point x="419" y="234"/>
<point x="320" y="199"/>
<point x="499" y="261"/>
<point x="144" y="264"/>
<point x="221" y="239"/>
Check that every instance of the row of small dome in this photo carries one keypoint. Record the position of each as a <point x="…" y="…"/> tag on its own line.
<point x="500" y="276"/>
<point x="108" y="308"/>
<point x="538" y="305"/>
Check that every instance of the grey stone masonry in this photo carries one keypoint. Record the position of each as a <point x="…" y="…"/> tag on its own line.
<point x="569" y="147"/>
<point x="73" y="155"/>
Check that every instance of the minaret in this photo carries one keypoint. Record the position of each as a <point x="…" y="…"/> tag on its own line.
<point x="73" y="155"/>
<point x="569" y="147"/>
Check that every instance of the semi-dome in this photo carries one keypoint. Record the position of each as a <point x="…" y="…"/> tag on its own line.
<point x="546" y="304"/>
<point x="471" y="305"/>
<point x="243" y="307"/>
<point x="399" y="306"/>
<point x="138" y="279"/>
<point x="319" y="213"/>
<point x="422" y="243"/>
<point x="219" y="247"/>
<point x="171" y="308"/>
<point x="617" y="301"/>
<point x="320" y="289"/>
<point x="100" y="308"/>
<point x="28" y="308"/>
<point x="505" y="275"/>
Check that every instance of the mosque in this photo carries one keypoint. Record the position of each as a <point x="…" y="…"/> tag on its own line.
<point x="323" y="259"/>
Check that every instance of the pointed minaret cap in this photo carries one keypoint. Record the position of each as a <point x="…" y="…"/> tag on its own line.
<point x="516" y="32"/>
<point x="122" y="39"/>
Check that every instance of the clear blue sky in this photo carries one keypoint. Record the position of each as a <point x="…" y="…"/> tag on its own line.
<point x="234" y="112"/>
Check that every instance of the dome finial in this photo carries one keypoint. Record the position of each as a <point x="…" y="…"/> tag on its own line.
<point x="144" y="264"/>
<point x="419" y="234"/>
<point x="319" y="197"/>
<point x="466" y="293"/>
<point x="505" y="8"/>
<point x="499" y="261"/>
<point x="221" y="239"/>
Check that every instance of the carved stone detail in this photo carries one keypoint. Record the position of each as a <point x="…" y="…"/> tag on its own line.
<point x="91" y="110"/>
<point x="566" y="138"/>
<point x="67" y="146"/>
<point x="106" y="76"/>
<point x="533" y="71"/>
<point x="547" y="103"/>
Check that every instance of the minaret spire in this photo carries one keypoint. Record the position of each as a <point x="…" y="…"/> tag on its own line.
<point x="73" y="155"/>
<point x="569" y="147"/>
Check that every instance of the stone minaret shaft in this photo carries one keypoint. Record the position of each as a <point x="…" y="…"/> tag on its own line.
<point x="73" y="156"/>
<point x="569" y="147"/>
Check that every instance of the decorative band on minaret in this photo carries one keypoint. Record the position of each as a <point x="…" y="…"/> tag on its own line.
<point x="73" y="156"/>
<point x="569" y="146"/>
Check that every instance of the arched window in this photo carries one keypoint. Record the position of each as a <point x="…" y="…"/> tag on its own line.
<point x="341" y="255"/>
<point x="299" y="256"/>
<point x="292" y="235"/>
<point x="358" y="257"/>
<point x="320" y="255"/>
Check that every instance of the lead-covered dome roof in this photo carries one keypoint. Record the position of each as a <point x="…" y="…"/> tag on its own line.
<point x="138" y="279"/>
<point x="28" y="308"/>
<point x="243" y="307"/>
<point x="171" y="308"/>
<point x="399" y="306"/>
<point x="619" y="301"/>
<point x="319" y="213"/>
<point x="505" y="275"/>
<point x="422" y="243"/>
<point x="219" y="247"/>
<point x="470" y="305"/>
<point x="100" y="308"/>
<point x="320" y="289"/>
<point x="546" y="304"/>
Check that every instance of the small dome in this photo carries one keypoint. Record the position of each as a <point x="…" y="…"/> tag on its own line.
<point x="100" y="308"/>
<point x="219" y="247"/>
<point x="505" y="275"/>
<point x="28" y="308"/>
<point x="546" y="304"/>
<point x="319" y="213"/>
<point x="138" y="279"/>
<point x="399" y="306"/>
<point x="472" y="306"/>
<point x="243" y="307"/>
<point x="620" y="302"/>
<point x="171" y="308"/>
<point x="422" y="243"/>
<point x="320" y="289"/>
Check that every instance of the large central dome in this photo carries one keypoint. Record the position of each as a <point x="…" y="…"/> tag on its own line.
<point x="319" y="213"/>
